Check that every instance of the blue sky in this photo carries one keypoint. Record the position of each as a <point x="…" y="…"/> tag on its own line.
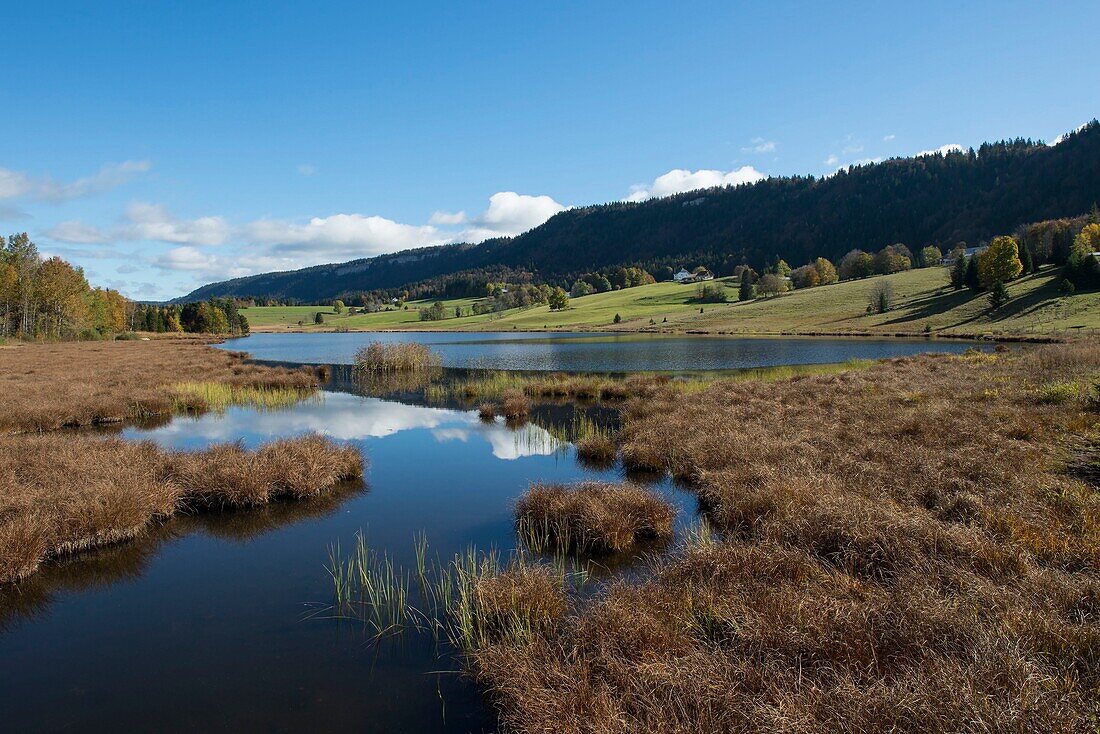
<point x="164" y="145"/>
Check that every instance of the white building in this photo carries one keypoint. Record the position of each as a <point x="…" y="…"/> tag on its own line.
<point x="682" y="276"/>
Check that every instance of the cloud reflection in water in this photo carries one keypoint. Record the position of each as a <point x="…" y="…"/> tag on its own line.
<point x="350" y="417"/>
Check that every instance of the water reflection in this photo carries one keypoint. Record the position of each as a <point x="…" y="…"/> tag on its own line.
<point x="594" y="352"/>
<point x="91" y="641"/>
<point x="349" y="417"/>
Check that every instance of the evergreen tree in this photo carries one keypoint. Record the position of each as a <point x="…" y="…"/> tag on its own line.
<point x="958" y="273"/>
<point x="971" y="279"/>
<point x="745" y="292"/>
<point x="998" y="295"/>
<point x="1026" y="259"/>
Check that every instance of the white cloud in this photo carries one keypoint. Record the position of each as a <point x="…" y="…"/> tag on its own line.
<point x="832" y="160"/>
<point x="351" y="235"/>
<point x="153" y="222"/>
<point x="680" y="180"/>
<point x="888" y="138"/>
<point x="447" y="218"/>
<point x="942" y="150"/>
<point x="17" y="184"/>
<point x="186" y="258"/>
<point x="1061" y="138"/>
<point x="77" y="233"/>
<point x="760" y="145"/>
<point x="274" y="244"/>
<point x="510" y="214"/>
<point x="306" y="169"/>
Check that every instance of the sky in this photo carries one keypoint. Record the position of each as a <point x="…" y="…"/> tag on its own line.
<point x="164" y="145"/>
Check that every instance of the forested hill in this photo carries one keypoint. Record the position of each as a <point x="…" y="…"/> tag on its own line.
<point x="934" y="199"/>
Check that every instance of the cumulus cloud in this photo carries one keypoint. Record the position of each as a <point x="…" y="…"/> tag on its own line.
<point x="510" y="214"/>
<point x="832" y="160"/>
<point x="276" y="244"/>
<point x="153" y="222"/>
<point x="942" y="150"/>
<point x="760" y="145"/>
<point x="354" y="235"/>
<point x="680" y="180"/>
<point x="20" y="185"/>
<point x="447" y="218"/>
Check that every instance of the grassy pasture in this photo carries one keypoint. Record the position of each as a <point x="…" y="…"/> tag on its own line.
<point x="923" y="303"/>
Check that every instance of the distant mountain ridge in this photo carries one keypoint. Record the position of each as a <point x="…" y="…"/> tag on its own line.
<point x="932" y="199"/>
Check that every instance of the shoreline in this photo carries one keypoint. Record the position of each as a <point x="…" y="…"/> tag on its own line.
<point x="983" y="337"/>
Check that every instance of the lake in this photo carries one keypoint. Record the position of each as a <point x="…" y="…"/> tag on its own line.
<point x="592" y="352"/>
<point x="223" y="621"/>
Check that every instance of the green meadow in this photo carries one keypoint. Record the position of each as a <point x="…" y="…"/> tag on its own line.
<point x="923" y="302"/>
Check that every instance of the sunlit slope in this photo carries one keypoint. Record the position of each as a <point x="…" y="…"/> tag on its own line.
<point x="923" y="302"/>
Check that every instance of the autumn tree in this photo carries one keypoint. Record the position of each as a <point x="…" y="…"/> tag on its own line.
<point x="892" y="259"/>
<point x="999" y="262"/>
<point x="558" y="299"/>
<point x="856" y="264"/>
<point x="930" y="256"/>
<point x="826" y="271"/>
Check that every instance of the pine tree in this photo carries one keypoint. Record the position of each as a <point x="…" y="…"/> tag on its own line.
<point x="745" y="293"/>
<point x="971" y="280"/>
<point x="958" y="273"/>
<point x="998" y="294"/>
<point x="1026" y="259"/>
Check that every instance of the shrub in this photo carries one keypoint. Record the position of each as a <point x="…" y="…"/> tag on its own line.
<point x="881" y="297"/>
<point x="487" y="411"/>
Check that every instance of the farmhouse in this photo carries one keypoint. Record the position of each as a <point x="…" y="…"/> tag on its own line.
<point x="682" y="276"/>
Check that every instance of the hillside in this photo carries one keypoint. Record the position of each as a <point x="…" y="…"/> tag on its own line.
<point x="923" y="300"/>
<point x="935" y="199"/>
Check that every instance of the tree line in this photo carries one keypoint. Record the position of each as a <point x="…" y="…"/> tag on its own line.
<point x="48" y="298"/>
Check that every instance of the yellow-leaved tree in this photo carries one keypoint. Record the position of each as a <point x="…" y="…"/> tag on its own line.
<point x="1087" y="240"/>
<point x="1000" y="262"/>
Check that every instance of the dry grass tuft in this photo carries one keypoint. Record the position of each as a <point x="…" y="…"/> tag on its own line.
<point x="591" y="516"/>
<point x="885" y="563"/>
<point x="596" y="448"/>
<point x="487" y="411"/>
<point x="514" y="404"/>
<point x="62" y="493"/>
<point x="512" y="605"/>
<point x="377" y="357"/>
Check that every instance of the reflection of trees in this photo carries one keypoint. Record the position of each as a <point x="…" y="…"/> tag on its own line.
<point x="104" y="566"/>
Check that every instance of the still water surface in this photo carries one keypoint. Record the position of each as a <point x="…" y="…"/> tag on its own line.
<point x="579" y="352"/>
<point x="218" y="621"/>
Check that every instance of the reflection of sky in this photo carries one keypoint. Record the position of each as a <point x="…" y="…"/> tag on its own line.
<point x="591" y="352"/>
<point x="350" y="417"/>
